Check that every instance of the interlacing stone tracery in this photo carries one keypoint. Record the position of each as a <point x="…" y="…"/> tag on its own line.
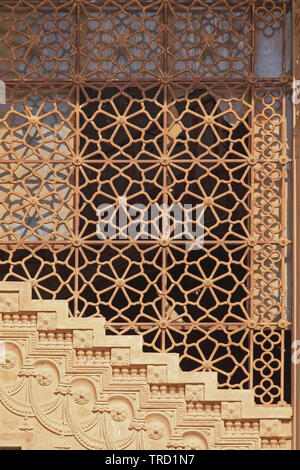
<point x="73" y="387"/>
<point x="175" y="102"/>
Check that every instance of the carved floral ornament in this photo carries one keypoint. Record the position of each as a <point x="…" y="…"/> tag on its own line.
<point x="187" y="410"/>
<point x="46" y="321"/>
<point x="120" y="357"/>
<point x="44" y="377"/>
<point x="194" y="392"/>
<point x="10" y="360"/>
<point x="118" y="414"/>
<point x="156" y="432"/>
<point x="82" y="396"/>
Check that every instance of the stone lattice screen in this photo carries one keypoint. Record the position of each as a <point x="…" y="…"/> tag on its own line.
<point x="174" y="102"/>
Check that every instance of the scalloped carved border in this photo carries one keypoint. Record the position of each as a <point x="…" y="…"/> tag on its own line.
<point x="68" y="385"/>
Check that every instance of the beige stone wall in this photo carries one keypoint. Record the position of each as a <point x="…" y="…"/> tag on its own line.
<point x="65" y="385"/>
<point x="295" y="258"/>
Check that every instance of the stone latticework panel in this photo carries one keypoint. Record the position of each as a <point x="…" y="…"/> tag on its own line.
<point x="184" y="103"/>
<point x="66" y="385"/>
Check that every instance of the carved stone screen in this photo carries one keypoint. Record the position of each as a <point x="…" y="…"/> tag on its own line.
<point x="154" y="102"/>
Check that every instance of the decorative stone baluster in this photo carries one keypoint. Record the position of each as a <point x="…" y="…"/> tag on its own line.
<point x="247" y="427"/>
<point x="24" y="320"/>
<point x="264" y="443"/>
<point x="282" y="443"/>
<point x="15" y="320"/>
<point x="207" y="408"/>
<point x="51" y="339"/>
<point x="80" y="357"/>
<point x="60" y="338"/>
<point x="89" y="357"/>
<point x="116" y="373"/>
<point x="255" y="426"/>
<point x="6" y="320"/>
<point x="237" y="427"/>
<point x="125" y="372"/>
<point x="199" y="408"/>
<point x="216" y="408"/>
<point x="42" y="337"/>
<point x="190" y="408"/>
<point x="98" y="357"/>
<point x="229" y="427"/>
<point x="107" y="356"/>
<point x="68" y="338"/>
<point x="154" y="391"/>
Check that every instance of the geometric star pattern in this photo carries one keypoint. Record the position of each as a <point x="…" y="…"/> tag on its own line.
<point x="142" y="104"/>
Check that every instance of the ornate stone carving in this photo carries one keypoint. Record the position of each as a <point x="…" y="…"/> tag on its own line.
<point x="46" y="321"/>
<point x="156" y="432"/>
<point x="8" y="302"/>
<point x="194" y="440"/>
<point x="118" y="414"/>
<point x="44" y="376"/>
<point x="82" y="339"/>
<point x="270" y="427"/>
<point x="194" y="392"/>
<point x="112" y="395"/>
<point x="10" y="360"/>
<point x="120" y="357"/>
<point x="231" y="410"/>
<point x="156" y="374"/>
<point x="81" y="396"/>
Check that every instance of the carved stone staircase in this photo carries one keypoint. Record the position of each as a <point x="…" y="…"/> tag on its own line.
<point x="64" y="384"/>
